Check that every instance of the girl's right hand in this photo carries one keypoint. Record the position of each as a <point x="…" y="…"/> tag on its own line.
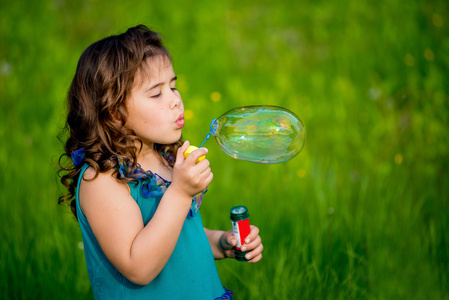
<point x="190" y="177"/>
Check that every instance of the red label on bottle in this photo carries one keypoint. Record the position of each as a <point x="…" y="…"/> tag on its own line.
<point x="241" y="230"/>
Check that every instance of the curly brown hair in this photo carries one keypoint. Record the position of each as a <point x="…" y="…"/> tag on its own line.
<point x="97" y="110"/>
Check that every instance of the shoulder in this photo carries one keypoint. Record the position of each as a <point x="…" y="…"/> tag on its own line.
<point x="104" y="180"/>
<point x="101" y="190"/>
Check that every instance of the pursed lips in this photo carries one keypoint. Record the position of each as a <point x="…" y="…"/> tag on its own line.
<point x="180" y="121"/>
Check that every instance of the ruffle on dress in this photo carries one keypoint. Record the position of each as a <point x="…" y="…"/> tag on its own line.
<point x="227" y="295"/>
<point x="153" y="185"/>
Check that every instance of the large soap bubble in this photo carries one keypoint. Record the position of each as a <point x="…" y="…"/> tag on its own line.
<point x="262" y="134"/>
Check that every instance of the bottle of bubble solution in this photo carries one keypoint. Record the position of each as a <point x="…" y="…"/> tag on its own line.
<point x="240" y="229"/>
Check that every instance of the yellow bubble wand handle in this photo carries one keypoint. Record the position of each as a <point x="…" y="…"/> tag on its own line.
<point x="189" y="150"/>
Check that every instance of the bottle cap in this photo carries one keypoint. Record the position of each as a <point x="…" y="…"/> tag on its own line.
<point x="239" y="213"/>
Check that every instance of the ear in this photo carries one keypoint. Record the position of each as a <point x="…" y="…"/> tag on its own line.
<point x="119" y="114"/>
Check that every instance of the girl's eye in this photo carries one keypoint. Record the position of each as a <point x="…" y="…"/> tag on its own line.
<point x="156" y="96"/>
<point x="174" y="89"/>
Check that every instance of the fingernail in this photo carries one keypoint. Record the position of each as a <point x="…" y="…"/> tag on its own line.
<point x="243" y="248"/>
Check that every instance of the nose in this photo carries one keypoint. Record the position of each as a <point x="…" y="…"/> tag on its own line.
<point x="176" y="100"/>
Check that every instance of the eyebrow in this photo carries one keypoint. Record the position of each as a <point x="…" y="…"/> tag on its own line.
<point x="160" y="83"/>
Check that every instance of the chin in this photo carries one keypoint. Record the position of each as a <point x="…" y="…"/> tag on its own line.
<point x="172" y="141"/>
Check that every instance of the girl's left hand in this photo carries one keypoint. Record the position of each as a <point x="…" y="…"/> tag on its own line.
<point x="253" y="243"/>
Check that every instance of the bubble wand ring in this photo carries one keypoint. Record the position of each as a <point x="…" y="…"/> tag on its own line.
<point x="213" y="129"/>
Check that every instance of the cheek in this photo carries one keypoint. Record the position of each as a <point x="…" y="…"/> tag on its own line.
<point x="155" y="120"/>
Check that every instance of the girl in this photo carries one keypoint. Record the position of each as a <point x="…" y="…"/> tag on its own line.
<point x="130" y="186"/>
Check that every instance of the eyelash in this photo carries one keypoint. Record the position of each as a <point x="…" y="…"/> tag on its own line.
<point x="158" y="95"/>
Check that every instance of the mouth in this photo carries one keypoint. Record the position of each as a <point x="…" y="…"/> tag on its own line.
<point x="180" y="121"/>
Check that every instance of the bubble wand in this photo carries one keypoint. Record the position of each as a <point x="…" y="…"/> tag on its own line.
<point x="213" y="129"/>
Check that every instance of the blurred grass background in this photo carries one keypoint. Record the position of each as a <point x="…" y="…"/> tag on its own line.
<point x="361" y="213"/>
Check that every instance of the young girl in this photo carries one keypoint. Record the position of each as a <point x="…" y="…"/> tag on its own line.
<point x="134" y="194"/>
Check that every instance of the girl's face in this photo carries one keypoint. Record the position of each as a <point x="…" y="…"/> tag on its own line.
<point x="155" y="108"/>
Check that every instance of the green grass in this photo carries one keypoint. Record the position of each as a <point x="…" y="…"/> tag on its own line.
<point x="361" y="213"/>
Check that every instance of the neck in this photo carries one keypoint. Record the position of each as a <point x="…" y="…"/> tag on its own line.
<point x="149" y="159"/>
<point x="146" y="155"/>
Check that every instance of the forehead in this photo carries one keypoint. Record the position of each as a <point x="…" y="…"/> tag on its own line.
<point x="152" y="69"/>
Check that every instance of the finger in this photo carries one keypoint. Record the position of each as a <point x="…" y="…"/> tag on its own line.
<point x="230" y="253"/>
<point x="195" y="155"/>
<point x="203" y="166"/>
<point x="255" y="259"/>
<point x="231" y="240"/>
<point x="208" y="180"/>
<point x="228" y="241"/>
<point x="252" y="245"/>
<point x="255" y="255"/>
<point x="181" y="150"/>
<point x="252" y="234"/>
<point x="204" y="170"/>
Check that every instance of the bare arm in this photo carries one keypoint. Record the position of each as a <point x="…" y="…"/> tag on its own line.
<point x="140" y="252"/>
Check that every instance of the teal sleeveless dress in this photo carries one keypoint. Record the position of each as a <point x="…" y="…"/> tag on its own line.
<point x="190" y="273"/>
